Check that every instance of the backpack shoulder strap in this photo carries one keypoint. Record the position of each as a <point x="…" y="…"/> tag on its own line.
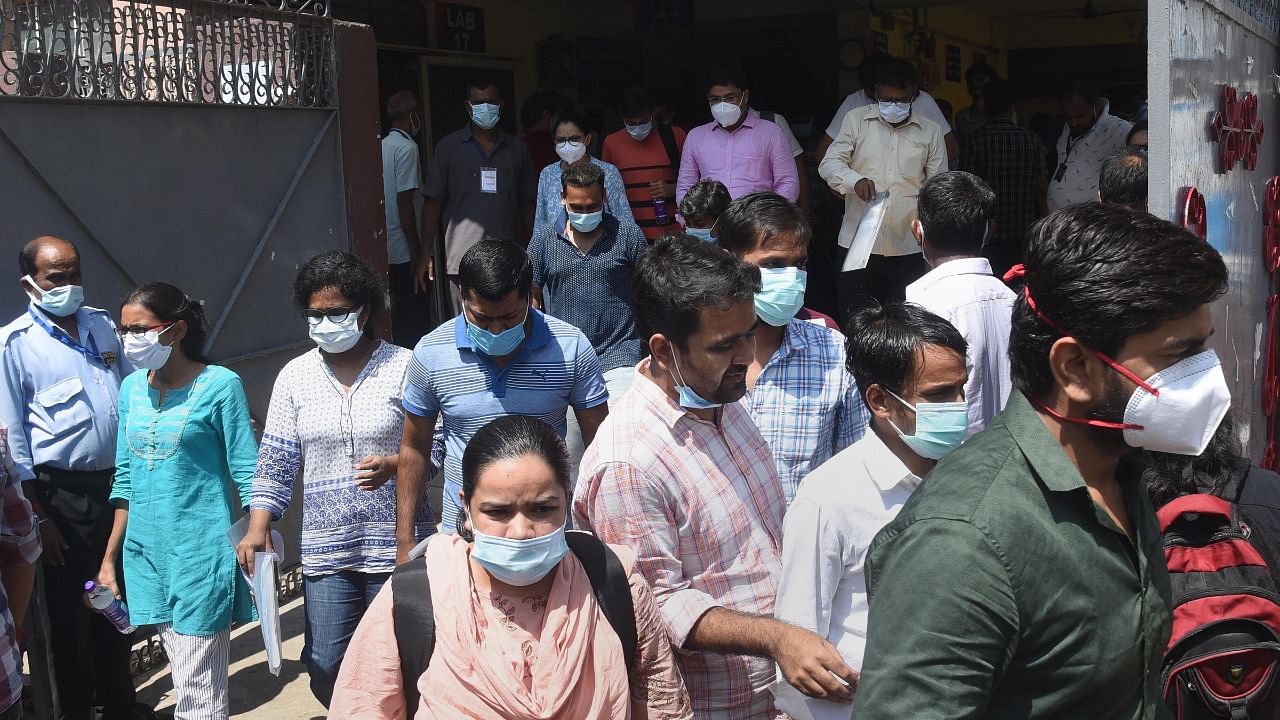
<point x="611" y="587"/>
<point x="669" y="142"/>
<point x="415" y="626"/>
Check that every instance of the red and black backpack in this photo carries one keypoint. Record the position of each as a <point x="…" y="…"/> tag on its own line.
<point x="1223" y="657"/>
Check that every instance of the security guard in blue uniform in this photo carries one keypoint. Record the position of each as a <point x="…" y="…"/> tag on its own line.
<point x="61" y="368"/>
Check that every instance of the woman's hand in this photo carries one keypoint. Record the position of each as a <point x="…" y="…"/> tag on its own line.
<point x="256" y="540"/>
<point x="374" y="471"/>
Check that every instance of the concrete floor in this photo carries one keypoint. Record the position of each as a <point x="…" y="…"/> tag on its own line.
<point x="255" y="693"/>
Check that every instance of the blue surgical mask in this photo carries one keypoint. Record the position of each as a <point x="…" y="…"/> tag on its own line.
<point x="703" y="234"/>
<point x="519" y="563"/>
<point x="781" y="294"/>
<point x="641" y="131"/>
<point x="485" y="115"/>
<point x="499" y="344"/>
<point x="61" y="301"/>
<point x="688" y="397"/>
<point x="585" y="222"/>
<point x="940" y="427"/>
<point x="895" y="112"/>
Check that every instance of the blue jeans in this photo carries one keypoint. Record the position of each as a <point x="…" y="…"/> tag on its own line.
<point x="333" y="605"/>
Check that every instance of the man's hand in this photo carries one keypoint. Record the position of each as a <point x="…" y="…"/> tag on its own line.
<point x="53" y="543"/>
<point x="373" y="472"/>
<point x="256" y="540"/>
<point x="423" y="270"/>
<point x="865" y="189"/>
<point x="665" y="190"/>
<point x="814" y="666"/>
<point x="107" y="578"/>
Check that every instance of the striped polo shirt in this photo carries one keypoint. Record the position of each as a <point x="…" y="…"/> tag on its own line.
<point x="448" y="378"/>
<point x="640" y="164"/>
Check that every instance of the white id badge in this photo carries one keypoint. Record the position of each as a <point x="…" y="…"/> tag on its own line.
<point x="488" y="180"/>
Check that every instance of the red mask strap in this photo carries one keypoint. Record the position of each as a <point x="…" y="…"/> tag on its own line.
<point x="1031" y="303"/>
<point x="1082" y="421"/>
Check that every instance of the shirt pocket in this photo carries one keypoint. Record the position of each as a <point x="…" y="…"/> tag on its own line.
<point x="911" y="155"/>
<point x="62" y="407"/>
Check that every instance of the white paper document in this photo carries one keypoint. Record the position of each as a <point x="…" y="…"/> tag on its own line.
<point x="868" y="229"/>
<point x="263" y="586"/>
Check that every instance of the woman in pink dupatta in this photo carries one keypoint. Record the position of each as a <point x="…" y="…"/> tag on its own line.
<point x="519" y="635"/>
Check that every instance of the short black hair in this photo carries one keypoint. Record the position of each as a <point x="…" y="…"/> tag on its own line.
<point x="869" y="68"/>
<point x="1104" y="274"/>
<point x="635" y="102"/>
<point x="493" y="268"/>
<point x="754" y="218"/>
<point x="582" y="176"/>
<point x="352" y="275"/>
<point x="1138" y="127"/>
<point x="954" y="209"/>
<point x="169" y="304"/>
<point x="884" y="343"/>
<point x="981" y="68"/>
<point x="541" y="101"/>
<point x="896" y="72"/>
<point x="572" y="117"/>
<point x="725" y="75"/>
<point x="481" y="83"/>
<point x="27" y="255"/>
<point x="999" y="96"/>
<point x="1123" y="179"/>
<point x="678" y="277"/>
<point x="706" y="199"/>
<point x="1078" y="88"/>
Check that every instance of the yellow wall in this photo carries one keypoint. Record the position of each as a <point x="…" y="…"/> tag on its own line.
<point x="970" y="29"/>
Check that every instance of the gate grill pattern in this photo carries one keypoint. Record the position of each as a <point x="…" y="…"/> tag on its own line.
<point x="261" y="53"/>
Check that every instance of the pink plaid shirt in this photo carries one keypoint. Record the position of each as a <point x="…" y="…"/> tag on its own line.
<point x="701" y="505"/>
<point x="19" y="545"/>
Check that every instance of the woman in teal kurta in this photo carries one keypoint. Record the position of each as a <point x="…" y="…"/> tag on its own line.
<point x="184" y="462"/>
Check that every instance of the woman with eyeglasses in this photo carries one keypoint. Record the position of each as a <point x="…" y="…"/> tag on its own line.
<point x="573" y="142"/>
<point x="184" y="464"/>
<point x="335" y="420"/>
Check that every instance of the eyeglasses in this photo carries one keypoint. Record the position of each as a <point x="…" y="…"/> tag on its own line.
<point x="570" y="139"/>
<point x="732" y="98"/>
<point x="337" y="314"/>
<point x="140" y="331"/>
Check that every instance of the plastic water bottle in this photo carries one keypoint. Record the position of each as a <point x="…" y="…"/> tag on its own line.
<point x="106" y="604"/>
<point x="660" y="210"/>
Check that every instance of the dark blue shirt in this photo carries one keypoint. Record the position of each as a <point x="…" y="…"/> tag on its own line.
<point x="592" y="292"/>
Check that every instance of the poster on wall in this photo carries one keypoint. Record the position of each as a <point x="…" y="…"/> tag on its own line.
<point x="953" y="63"/>
<point x="459" y="27"/>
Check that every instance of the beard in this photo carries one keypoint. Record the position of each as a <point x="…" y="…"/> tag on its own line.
<point x="1115" y="399"/>
<point x="733" y="385"/>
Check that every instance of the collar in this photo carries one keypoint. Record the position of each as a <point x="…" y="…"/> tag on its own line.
<point x="471" y="135"/>
<point x="539" y="334"/>
<point x="884" y="468"/>
<point x="793" y="340"/>
<point x="750" y="122"/>
<point x="1046" y="457"/>
<point x="952" y="268"/>
<point x="663" y="405"/>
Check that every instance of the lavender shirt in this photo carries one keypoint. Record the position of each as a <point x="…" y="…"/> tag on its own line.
<point x="754" y="158"/>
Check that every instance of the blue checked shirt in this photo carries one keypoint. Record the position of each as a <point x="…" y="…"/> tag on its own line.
<point x="806" y="403"/>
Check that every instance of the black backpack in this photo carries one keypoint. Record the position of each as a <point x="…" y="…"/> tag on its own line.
<point x="415" y="624"/>
<point x="1224" y="656"/>
<point x="668" y="137"/>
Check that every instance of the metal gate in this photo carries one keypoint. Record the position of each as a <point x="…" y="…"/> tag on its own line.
<point x="200" y="142"/>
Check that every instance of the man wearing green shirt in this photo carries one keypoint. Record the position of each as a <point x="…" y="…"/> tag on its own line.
<point x="1024" y="578"/>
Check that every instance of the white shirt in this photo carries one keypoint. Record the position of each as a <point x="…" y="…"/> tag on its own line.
<point x="796" y="149"/>
<point x="1079" y="184"/>
<point x="925" y="106"/>
<point x="966" y="294"/>
<point x="838" y="510"/>
<point x="401" y="171"/>
<point x="897" y="159"/>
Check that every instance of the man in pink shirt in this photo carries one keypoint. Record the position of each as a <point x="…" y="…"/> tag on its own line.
<point x="738" y="148"/>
